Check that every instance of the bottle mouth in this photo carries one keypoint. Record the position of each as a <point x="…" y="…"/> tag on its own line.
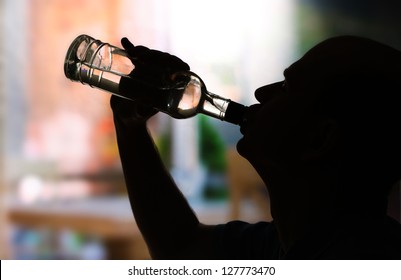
<point x="75" y="55"/>
<point x="235" y="113"/>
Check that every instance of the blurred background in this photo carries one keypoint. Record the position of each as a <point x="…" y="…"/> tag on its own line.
<point x="62" y="191"/>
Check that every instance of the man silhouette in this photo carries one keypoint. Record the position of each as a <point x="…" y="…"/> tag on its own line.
<point x="326" y="142"/>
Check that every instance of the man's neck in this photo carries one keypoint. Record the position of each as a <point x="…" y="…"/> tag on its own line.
<point x="298" y="203"/>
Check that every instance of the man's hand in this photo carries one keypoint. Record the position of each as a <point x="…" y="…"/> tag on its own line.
<point x="151" y="66"/>
<point x="152" y="69"/>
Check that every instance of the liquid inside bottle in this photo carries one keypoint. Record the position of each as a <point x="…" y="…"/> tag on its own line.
<point x="185" y="97"/>
<point x="107" y="67"/>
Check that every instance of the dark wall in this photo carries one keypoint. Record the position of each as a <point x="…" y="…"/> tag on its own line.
<point x="377" y="19"/>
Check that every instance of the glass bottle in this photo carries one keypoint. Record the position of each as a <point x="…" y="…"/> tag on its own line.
<point x="107" y="67"/>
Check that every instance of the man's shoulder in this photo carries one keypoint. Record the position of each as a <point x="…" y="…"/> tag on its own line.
<point x="370" y="238"/>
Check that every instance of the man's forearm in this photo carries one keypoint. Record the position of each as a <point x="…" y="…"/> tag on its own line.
<point x="162" y="213"/>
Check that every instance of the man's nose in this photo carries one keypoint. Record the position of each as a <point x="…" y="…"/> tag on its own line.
<point x="265" y="93"/>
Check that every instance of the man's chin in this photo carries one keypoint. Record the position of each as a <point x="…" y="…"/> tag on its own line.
<point x="241" y="147"/>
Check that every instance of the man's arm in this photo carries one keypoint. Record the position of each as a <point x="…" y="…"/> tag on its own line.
<point x="164" y="217"/>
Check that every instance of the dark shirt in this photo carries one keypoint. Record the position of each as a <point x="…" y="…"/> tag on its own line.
<point x="336" y="238"/>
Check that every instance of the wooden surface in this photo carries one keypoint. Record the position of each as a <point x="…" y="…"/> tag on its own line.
<point x="109" y="219"/>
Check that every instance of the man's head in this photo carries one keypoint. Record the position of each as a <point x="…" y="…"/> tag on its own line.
<point x="338" y="107"/>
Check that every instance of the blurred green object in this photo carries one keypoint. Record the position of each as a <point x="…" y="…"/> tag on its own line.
<point x="212" y="148"/>
<point x="212" y="153"/>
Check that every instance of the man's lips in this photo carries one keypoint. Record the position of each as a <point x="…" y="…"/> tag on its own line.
<point x="249" y="117"/>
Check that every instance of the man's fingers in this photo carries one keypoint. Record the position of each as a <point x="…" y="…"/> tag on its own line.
<point x="126" y="43"/>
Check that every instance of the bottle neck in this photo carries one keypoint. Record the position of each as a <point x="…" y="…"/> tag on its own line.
<point x="192" y="88"/>
<point x="222" y="108"/>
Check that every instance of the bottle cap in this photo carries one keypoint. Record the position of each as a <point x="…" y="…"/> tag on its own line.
<point x="235" y="113"/>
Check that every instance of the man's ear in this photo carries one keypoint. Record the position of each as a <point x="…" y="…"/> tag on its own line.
<point x="322" y="141"/>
